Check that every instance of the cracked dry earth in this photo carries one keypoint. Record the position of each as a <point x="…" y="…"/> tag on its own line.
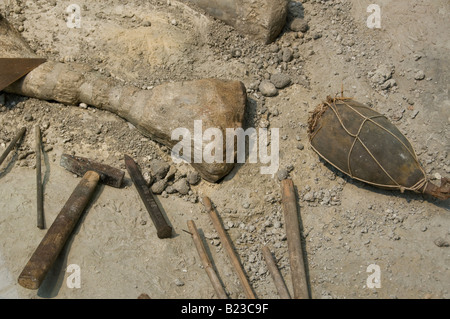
<point x="400" y="70"/>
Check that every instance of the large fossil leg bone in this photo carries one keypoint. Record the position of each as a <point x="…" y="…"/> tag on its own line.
<point x="156" y="113"/>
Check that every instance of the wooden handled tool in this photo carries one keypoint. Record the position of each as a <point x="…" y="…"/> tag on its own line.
<point x="54" y="240"/>
<point x="275" y="273"/>
<point x="206" y="262"/>
<point x="228" y="248"/>
<point x="298" y="273"/>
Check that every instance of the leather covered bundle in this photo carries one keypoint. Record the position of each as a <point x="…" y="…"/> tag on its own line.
<point x="366" y="146"/>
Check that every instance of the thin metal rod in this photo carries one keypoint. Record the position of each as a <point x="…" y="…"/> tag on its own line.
<point x="39" y="186"/>
<point x="12" y="144"/>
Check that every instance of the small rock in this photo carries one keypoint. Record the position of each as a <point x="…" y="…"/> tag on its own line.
<point x="388" y="84"/>
<point x="282" y="174"/>
<point x="148" y="178"/>
<point x="267" y="88"/>
<point x="193" y="178"/>
<point x="236" y="53"/>
<point x="299" y="25"/>
<point x="274" y="48"/>
<point x="170" y="190"/>
<point x="287" y="55"/>
<point x="174" y="22"/>
<point x="171" y="174"/>
<point x="159" y="168"/>
<point x="419" y="76"/>
<point x="182" y="186"/>
<point x="309" y="197"/>
<point x="441" y="242"/>
<point x="83" y="105"/>
<point x="159" y="186"/>
<point x="28" y="117"/>
<point x="382" y="74"/>
<point x="179" y="282"/>
<point x="280" y="80"/>
<point x="316" y="35"/>
<point x="300" y="146"/>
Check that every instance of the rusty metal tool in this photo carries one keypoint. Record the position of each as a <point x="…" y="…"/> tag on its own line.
<point x="162" y="227"/>
<point x="12" y="144"/>
<point x="298" y="270"/>
<point x="206" y="262"/>
<point x="54" y="240"/>
<point x="12" y="69"/>
<point x="226" y="242"/>
<point x="39" y="186"/>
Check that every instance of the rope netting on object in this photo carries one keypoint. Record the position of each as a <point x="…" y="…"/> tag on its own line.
<point x="420" y="186"/>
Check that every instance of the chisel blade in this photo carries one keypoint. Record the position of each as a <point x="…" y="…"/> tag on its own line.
<point x="162" y="227"/>
<point x="12" y="69"/>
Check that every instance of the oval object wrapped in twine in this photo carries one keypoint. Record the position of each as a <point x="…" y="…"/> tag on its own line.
<point x="366" y="146"/>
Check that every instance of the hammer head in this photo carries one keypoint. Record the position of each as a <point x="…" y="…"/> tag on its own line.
<point x="79" y="165"/>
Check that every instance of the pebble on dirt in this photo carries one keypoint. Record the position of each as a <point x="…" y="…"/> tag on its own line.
<point x="193" y="178"/>
<point x="159" y="168"/>
<point x="267" y="88"/>
<point x="299" y="25"/>
<point x="182" y="186"/>
<point x="159" y="186"/>
<point x="280" y="80"/>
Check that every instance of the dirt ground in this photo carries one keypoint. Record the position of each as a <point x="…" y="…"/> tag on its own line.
<point x="401" y="70"/>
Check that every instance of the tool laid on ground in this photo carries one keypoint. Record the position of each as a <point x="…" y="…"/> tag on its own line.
<point x="12" y="69"/>
<point x="11" y="145"/>
<point x="162" y="227"/>
<point x="275" y="273"/>
<point x="206" y="262"/>
<point x="366" y="146"/>
<point x="39" y="186"/>
<point x="228" y="248"/>
<point x="298" y="270"/>
<point x="54" y="240"/>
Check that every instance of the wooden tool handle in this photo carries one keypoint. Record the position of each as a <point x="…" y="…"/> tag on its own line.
<point x="226" y="242"/>
<point x="206" y="262"/>
<point x="275" y="273"/>
<point x="54" y="240"/>
<point x="298" y="273"/>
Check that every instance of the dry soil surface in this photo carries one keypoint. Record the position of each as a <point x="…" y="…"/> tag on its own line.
<point x="401" y="70"/>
